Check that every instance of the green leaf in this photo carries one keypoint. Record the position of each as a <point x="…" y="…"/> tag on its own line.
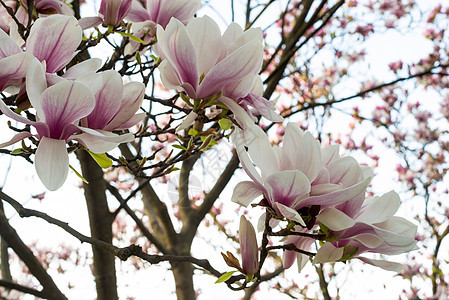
<point x="225" y="277"/>
<point x="17" y="151"/>
<point x="134" y="38"/>
<point x="101" y="159"/>
<point x="78" y="174"/>
<point x="139" y="60"/>
<point x="193" y="132"/>
<point x="179" y="147"/>
<point x="225" y="124"/>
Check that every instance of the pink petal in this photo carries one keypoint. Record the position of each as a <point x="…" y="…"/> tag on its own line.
<point x="36" y="83"/>
<point x="7" y="46"/>
<point x="247" y="59"/>
<point x="177" y="47"/>
<point x="54" y="39"/>
<point x="64" y="103"/>
<point x="289" y="213"/>
<point x="204" y="31"/>
<point x="386" y="265"/>
<point x="328" y="253"/>
<point x="89" y="66"/>
<point x="248" y="247"/>
<point x="133" y="93"/>
<point x="286" y="187"/>
<point x="137" y="13"/>
<point x="13" y="70"/>
<point x="89" y="22"/>
<point x="18" y="137"/>
<point x="52" y="162"/>
<point x="379" y="209"/>
<point x="107" y="100"/>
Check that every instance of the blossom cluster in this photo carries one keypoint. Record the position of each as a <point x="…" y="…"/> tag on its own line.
<point x="320" y="194"/>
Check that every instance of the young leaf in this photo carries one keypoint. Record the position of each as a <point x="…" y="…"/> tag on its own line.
<point x="134" y="38"/>
<point x="225" y="124"/>
<point x="101" y="159"/>
<point x="179" y="147"/>
<point x="225" y="277"/>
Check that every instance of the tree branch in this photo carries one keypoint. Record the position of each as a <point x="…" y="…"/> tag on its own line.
<point x="24" y="289"/>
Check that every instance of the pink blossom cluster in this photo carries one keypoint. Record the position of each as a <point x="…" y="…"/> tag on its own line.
<point x="80" y="105"/>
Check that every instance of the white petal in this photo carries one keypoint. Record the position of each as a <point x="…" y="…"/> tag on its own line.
<point x="245" y="192"/>
<point x="189" y="120"/>
<point x="290" y="214"/>
<point x="384" y="264"/>
<point x="335" y="219"/>
<point x="52" y="163"/>
<point x="379" y="209"/>
<point x="328" y="253"/>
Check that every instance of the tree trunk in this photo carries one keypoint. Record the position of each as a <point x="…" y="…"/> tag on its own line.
<point x="100" y="219"/>
<point x="183" y="273"/>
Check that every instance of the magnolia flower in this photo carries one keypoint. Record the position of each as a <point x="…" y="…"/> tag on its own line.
<point x="157" y="12"/>
<point x="112" y="12"/>
<point x="374" y="228"/>
<point x="58" y="111"/>
<point x="53" y="39"/>
<point x="189" y="65"/>
<point x="115" y="109"/>
<point x="248" y="247"/>
<point x="298" y="174"/>
<point x="232" y="68"/>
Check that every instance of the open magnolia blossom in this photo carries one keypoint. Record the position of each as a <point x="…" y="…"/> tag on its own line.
<point x="58" y="110"/>
<point x="157" y="12"/>
<point x="231" y="69"/>
<point x="298" y="174"/>
<point x="300" y="177"/>
<point x="374" y="228"/>
<point x="53" y="39"/>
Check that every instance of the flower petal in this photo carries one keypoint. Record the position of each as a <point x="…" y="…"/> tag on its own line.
<point x="245" y="60"/>
<point x="289" y="213"/>
<point x="7" y="45"/>
<point x="205" y="33"/>
<point x="335" y="219"/>
<point x="328" y="253"/>
<point x="245" y="192"/>
<point x="54" y="39"/>
<point x="286" y="187"/>
<point x="379" y="209"/>
<point x="18" y="137"/>
<point x="179" y="50"/>
<point x="64" y="103"/>
<point x="52" y="162"/>
<point x="384" y="264"/>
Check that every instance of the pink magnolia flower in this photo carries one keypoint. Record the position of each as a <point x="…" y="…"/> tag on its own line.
<point x="157" y="12"/>
<point x="374" y="228"/>
<point x="248" y="247"/>
<point x="188" y="64"/>
<point x="114" y="11"/>
<point x="53" y="39"/>
<point x="298" y="174"/>
<point x="58" y="111"/>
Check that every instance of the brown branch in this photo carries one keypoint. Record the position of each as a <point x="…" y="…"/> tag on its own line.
<point x="211" y="197"/>
<point x="25" y="254"/>
<point x="122" y="253"/>
<point x="138" y="222"/>
<point x="250" y="291"/>
<point x="323" y="283"/>
<point x="24" y="289"/>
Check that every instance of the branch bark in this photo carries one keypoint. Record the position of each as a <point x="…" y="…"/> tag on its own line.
<point x="100" y="220"/>
<point x="27" y="256"/>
